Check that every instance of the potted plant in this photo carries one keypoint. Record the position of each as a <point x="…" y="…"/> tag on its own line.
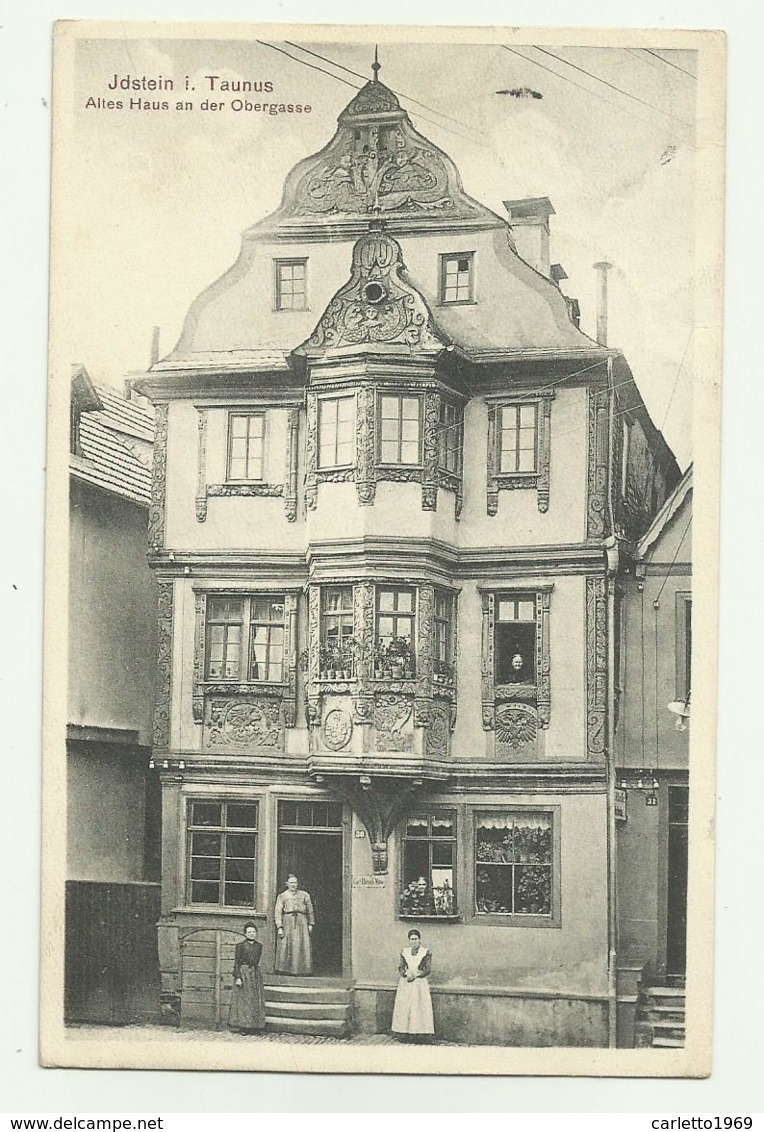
<point x="400" y="658"/>
<point x="348" y="652"/>
<point x="442" y="671"/>
<point x="381" y="660"/>
<point x="327" y="660"/>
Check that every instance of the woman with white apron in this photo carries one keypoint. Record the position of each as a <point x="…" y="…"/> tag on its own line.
<point x="412" y="1013"/>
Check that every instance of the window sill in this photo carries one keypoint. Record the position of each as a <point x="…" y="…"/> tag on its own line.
<point x="456" y="303"/>
<point x="508" y="920"/>
<point x="218" y="910"/>
<point x="227" y="686"/>
<point x="431" y="918"/>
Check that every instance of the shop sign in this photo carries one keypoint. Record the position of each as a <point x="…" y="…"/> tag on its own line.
<point x="369" y="881"/>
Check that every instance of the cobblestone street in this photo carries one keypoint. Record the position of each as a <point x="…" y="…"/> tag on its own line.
<point x="170" y="1034"/>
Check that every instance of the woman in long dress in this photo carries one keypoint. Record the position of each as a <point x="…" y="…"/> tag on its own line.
<point x="247" y="1012"/>
<point x="412" y="1013"/>
<point x="295" y="921"/>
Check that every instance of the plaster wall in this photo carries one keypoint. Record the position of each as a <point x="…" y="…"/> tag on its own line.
<point x="106" y="813"/>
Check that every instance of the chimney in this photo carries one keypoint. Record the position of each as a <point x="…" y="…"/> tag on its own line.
<point x="154" y="347"/>
<point x="529" y="220"/>
<point x="602" y="267"/>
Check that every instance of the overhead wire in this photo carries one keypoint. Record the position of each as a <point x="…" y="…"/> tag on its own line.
<point x="669" y="63"/>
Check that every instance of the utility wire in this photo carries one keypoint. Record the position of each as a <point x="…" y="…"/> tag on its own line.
<point x="612" y="86"/>
<point x="580" y="86"/>
<point x="399" y="93"/>
<point x="668" y="63"/>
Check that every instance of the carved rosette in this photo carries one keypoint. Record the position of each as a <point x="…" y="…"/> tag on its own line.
<point x="596" y="463"/>
<point x="596" y="666"/>
<point x="158" y="479"/>
<point x="520" y="481"/>
<point x="254" y="723"/>
<point x="163" y="687"/>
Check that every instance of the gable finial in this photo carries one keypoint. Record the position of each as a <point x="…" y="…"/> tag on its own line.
<point x="376" y="65"/>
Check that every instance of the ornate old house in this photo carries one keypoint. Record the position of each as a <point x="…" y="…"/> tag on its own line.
<point x="394" y="484"/>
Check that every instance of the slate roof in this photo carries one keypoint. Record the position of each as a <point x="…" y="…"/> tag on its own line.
<point x="116" y="447"/>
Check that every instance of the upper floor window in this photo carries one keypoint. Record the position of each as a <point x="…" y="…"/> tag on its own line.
<point x="336" y="432"/>
<point x="457" y="277"/>
<point x="246" y="446"/>
<point x="515" y="631"/>
<point x="395" y="631"/>
<point x="336" y="655"/>
<point x="400" y="429"/>
<point x="245" y="638"/>
<point x="428" y="883"/>
<point x="291" y="284"/>
<point x="443" y="633"/>
<point x="517" y="438"/>
<point x="449" y="438"/>
<point x="222" y="853"/>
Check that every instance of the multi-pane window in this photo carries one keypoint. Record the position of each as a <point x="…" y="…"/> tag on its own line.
<point x="429" y="865"/>
<point x="246" y="442"/>
<point x="245" y="638"/>
<point x="449" y="438"/>
<point x="442" y="633"/>
<point x="336" y="653"/>
<point x="515" y="629"/>
<point x="456" y="278"/>
<point x="396" y="619"/>
<point x="291" y="284"/>
<point x="399" y="429"/>
<point x="513" y="863"/>
<point x="336" y="432"/>
<point x="518" y="438"/>
<point x="222" y="853"/>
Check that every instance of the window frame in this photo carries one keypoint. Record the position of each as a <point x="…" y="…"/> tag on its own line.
<point x="443" y="634"/>
<point x="450" y="257"/>
<point x="518" y="919"/>
<point x="412" y="617"/>
<point x="335" y="399"/>
<point x="516" y="597"/>
<point x="517" y="407"/>
<point x="454" y="840"/>
<point x="444" y="448"/>
<point x="400" y="395"/>
<point x="249" y="416"/>
<point x="224" y="830"/>
<point x="326" y="617"/>
<point x="539" y="478"/>
<point x="278" y="294"/>
<point x="246" y="645"/>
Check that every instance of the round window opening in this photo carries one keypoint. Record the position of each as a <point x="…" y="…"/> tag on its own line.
<point x="374" y="292"/>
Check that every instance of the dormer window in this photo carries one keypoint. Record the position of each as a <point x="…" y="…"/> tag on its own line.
<point x="457" y="283"/>
<point x="291" y="284"/>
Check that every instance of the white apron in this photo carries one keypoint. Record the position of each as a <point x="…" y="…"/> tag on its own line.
<point x="412" y="1013"/>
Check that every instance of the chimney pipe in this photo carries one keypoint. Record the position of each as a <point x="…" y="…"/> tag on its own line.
<point x="602" y="267"/>
<point x="154" y="347"/>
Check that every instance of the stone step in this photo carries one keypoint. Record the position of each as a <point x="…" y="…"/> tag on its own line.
<point x="663" y="1042"/>
<point x="323" y="1011"/>
<point x="327" y="1027"/>
<point x="668" y="1027"/>
<point x="673" y="993"/>
<point x="302" y="993"/>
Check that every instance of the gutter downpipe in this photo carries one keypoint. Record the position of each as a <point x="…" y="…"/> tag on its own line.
<point x="612" y="558"/>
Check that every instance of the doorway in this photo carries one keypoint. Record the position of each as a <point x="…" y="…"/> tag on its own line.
<point x="310" y="845"/>
<point x="676" y="912"/>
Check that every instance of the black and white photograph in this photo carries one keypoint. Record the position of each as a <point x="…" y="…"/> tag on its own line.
<point x="379" y="725"/>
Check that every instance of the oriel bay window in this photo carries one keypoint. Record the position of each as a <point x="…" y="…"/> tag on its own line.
<point x="395" y="632"/>
<point x="443" y="633"/>
<point x="516" y="862"/>
<point x="245" y="638"/>
<point x="450" y="438"/>
<point x="222" y="853"/>
<point x="336" y="432"/>
<point x="337" y="647"/>
<point x="400" y="429"/>
<point x="428" y="880"/>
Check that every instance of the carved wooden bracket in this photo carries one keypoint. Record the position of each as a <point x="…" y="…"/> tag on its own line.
<point x="597" y="469"/>
<point x="596" y="667"/>
<point x="379" y="803"/>
<point x="163" y="686"/>
<point x="158" y="479"/>
<point x="507" y="481"/>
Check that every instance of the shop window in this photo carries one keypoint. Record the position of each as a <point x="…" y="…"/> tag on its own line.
<point x="515" y="639"/>
<point x="291" y="284"/>
<point x="457" y="277"/>
<point x="246" y="447"/>
<point x="518" y="439"/>
<point x="222" y="853"/>
<point x="245" y="638"/>
<point x="449" y="438"/>
<point x="514" y="864"/>
<point x="337" y="647"/>
<point x="336" y="432"/>
<point x="428" y="881"/>
<point x="395" y="632"/>
<point x="400" y="429"/>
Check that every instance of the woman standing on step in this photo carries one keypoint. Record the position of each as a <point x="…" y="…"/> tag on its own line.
<point x="412" y="1013"/>
<point x="247" y="1013"/>
<point x="295" y="921"/>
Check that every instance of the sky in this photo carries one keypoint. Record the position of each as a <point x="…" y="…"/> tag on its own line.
<point x="158" y="200"/>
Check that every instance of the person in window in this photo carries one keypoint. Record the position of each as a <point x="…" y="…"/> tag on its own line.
<point x="412" y="1013"/>
<point x="517" y="670"/>
<point x="295" y="921"/>
<point x="247" y="1012"/>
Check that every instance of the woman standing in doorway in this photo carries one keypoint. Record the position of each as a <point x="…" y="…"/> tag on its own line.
<point x="295" y="921"/>
<point x="247" y="1012"/>
<point x="412" y="1013"/>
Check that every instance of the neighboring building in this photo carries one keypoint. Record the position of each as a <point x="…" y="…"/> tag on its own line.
<point x="383" y="665"/>
<point x="652" y="757"/>
<point x="112" y="802"/>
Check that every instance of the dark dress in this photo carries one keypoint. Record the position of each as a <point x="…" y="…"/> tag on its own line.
<point x="247" y="1011"/>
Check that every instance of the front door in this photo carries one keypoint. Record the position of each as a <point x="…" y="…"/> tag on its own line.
<point x="206" y="977"/>
<point x="310" y="846"/>
<point x="676" y="915"/>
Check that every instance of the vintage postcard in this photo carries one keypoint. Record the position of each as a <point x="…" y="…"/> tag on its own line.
<point x="383" y="365"/>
